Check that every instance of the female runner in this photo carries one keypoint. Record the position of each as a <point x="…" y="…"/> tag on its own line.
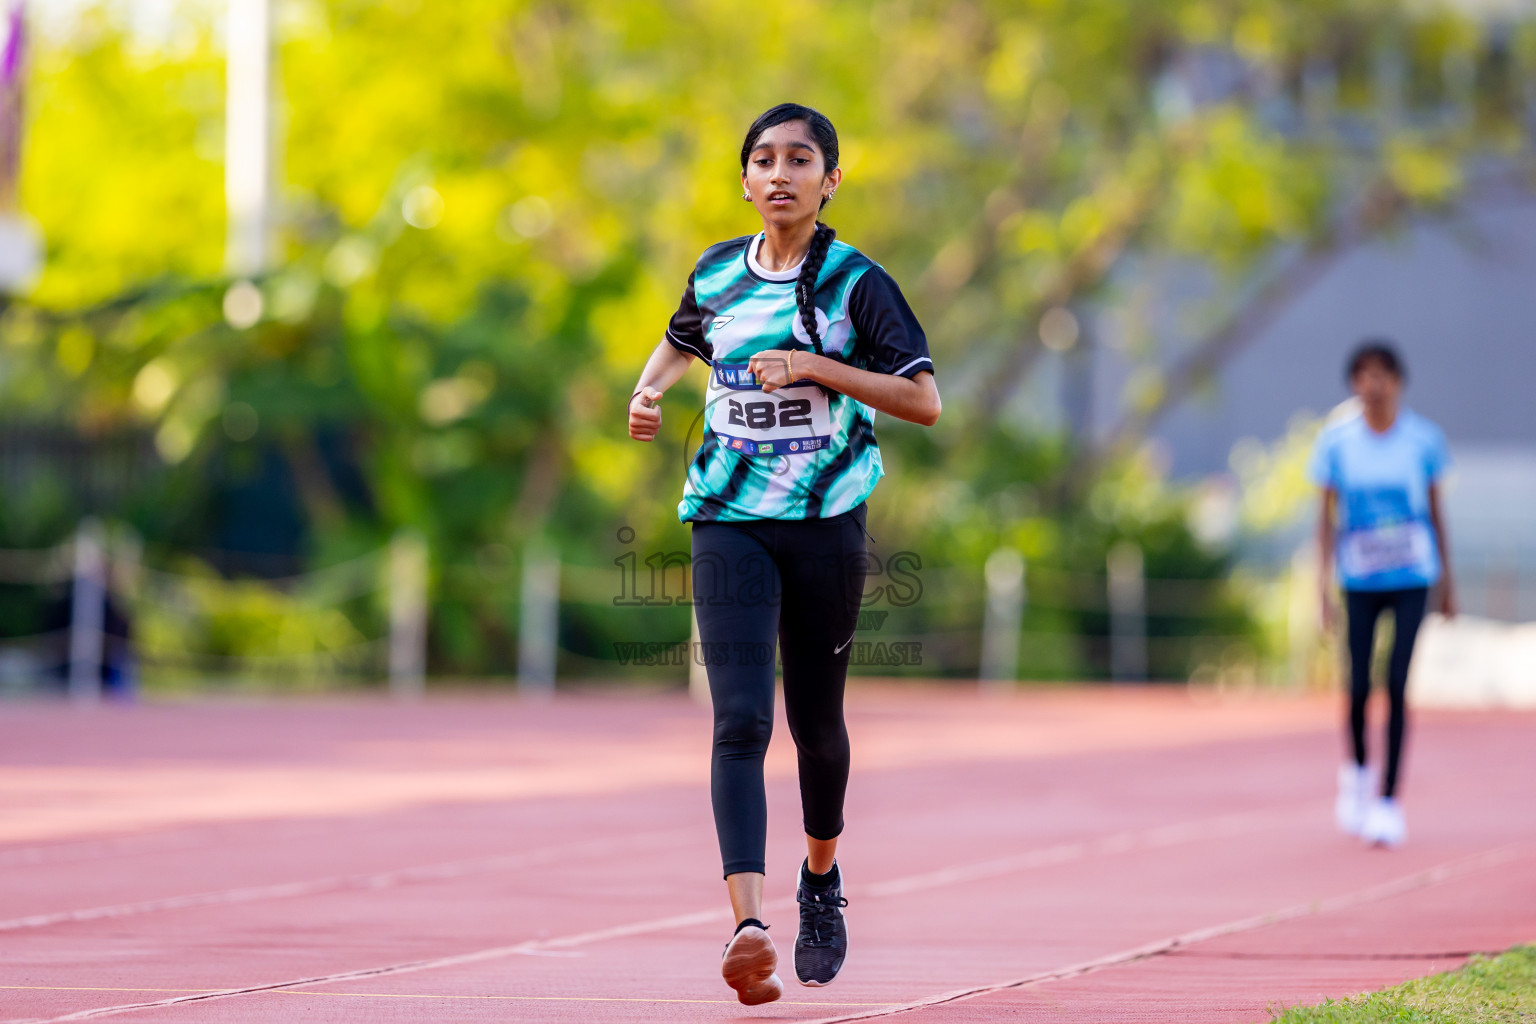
<point x="1380" y="477"/>
<point x="805" y="338"/>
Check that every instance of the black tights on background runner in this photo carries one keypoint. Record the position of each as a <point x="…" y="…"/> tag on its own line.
<point x="797" y="581"/>
<point x="1364" y="608"/>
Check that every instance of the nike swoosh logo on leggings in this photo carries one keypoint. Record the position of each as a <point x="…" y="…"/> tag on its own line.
<point x="839" y="648"/>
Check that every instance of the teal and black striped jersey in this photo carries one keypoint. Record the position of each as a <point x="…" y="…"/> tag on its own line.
<point x="802" y="452"/>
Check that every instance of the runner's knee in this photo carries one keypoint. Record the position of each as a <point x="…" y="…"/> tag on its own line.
<point x="823" y="740"/>
<point x="742" y="731"/>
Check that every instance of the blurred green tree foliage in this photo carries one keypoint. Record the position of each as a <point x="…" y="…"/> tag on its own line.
<point x="489" y="207"/>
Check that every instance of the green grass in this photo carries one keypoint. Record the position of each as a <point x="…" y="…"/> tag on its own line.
<point x="1484" y="991"/>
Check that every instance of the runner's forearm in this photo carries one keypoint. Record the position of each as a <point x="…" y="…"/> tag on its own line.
<point x="664" y="368"/>
<point x="1442" y="539"/>
<point x="1325" y="540"/>
<point x="1448" y="605"/>
<point x="914" y="399"/>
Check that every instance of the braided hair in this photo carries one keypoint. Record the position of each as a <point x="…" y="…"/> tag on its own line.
<point x="825" y="137"/>
<point x="805" y="284"/>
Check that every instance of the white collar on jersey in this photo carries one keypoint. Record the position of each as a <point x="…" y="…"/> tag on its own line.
<point x="787" y="274"/>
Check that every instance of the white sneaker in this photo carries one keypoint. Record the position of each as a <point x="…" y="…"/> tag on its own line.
<point x="1384" y="825"/>
<point x="1349" y="810"/>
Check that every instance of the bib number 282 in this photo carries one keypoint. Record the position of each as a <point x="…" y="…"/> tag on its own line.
<point x="790" y="412"/>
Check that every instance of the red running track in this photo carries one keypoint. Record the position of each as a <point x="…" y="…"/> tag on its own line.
<point x="1088" y="855"/>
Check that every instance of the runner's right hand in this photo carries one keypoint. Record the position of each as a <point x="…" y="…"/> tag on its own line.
<point x="645" y="414"/>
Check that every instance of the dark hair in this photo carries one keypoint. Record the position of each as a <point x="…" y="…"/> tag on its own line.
<point x="825" y="136"/>
<point x="1378" y="351"/>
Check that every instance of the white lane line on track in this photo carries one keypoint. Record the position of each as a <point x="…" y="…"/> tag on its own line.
<point x="448" y="998"/>
<point x="366" y="881"/>
<point x="1419" y="880"/>
<point x="77" y="851"/>
<point x="479" y="956"/>
<point x="1160" y="836"/>
<point x="1063" y="853"/>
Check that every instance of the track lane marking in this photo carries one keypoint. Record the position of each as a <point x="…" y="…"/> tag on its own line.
<point x="551" y="999"/>
<point x="345" y="883"/>
<point x="1158" y="837"/>
<point x="424" y="995"/>
<point x="1222" y="826"/>
<point x="1060" y="853"/>
<point x="1445" y="872"/>
<point x="91" y="988"/>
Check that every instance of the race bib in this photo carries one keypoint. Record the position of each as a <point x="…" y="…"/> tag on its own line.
<point x="1383" y="549"/>
<point x="792" y="420"/>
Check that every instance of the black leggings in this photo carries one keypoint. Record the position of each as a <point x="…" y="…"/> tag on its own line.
<point x="1364" y="607"/>
<point x="800" y="581"/>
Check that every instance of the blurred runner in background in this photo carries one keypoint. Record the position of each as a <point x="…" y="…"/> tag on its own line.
<point x="1380" y="475"/>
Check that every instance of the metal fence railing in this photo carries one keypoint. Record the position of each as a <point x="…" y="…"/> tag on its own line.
<point x="118" y="617"/>
<point x="367" y="618"/>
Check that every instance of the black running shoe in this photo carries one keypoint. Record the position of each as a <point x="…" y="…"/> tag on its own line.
<point x="822" y="942"/>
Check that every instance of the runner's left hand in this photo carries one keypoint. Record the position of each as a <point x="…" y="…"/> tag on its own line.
<point x="1448" y="600"/>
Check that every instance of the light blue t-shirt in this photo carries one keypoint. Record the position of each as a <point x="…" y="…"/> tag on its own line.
<point x="1386" y="540"/>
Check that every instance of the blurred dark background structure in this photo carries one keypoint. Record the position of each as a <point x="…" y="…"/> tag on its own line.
<point x="328" y="311"/>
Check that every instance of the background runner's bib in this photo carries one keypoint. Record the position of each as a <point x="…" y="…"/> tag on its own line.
<point x="1384" y="549"/>
<point x="792" y="420"/>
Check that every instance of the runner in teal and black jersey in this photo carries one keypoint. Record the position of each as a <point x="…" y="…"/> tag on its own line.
<point x="831" y="461"/>
<point x="805" y="338"/>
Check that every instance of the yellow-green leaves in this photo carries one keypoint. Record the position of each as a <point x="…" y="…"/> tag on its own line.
<point x="1424" y="173"/>
<point x="1236" y="189"/>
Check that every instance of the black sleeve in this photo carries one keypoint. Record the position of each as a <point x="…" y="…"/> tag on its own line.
<point x="886" y="328"/>
<point x="686" y="331"/>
